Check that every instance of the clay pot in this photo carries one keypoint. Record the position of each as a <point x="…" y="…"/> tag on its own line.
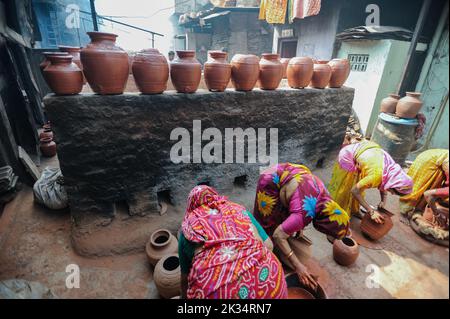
<point x="270" y="71"/>
<point x="150" y="71"/>
<point x="167" y="276"/>
<point x="75" y="53"/>
<point x="217" y="71"/>
<point x="244" y="71"/>
<point x="322" y="75"/>
<point x="161" y="243"/>
<point x="389" y="104"/>
<point x="47" y="147"/>
<point x="299" y="72"/>
<point x="292" y="281"/>
<point x="409" y="106"/>
<point x="186" y="72"/>
<point x="46" y="133"/>
<point x="285" y="63"/>
<point x="340" y="70"/>
<point x="105" y="65"/>
<point x="46" y="61"/>
<point x="345" y="251"/>
<point x="301" y="248"/>
<point x="374" y="230"/>
<point x="63" y="76"/>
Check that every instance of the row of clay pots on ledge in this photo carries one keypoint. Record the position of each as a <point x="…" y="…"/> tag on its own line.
<point x="406" y="107"/>
<point x="106" y="68"/>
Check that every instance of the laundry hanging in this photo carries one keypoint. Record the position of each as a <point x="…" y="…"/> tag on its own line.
<point x="273" y="11"/>
<point x="300" y="9"/>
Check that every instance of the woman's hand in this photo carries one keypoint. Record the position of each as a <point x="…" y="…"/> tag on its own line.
<point x="376" y="217"/>
<point x="305" y="277"/>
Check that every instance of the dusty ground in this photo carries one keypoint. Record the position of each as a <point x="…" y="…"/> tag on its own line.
<point x="35" y="245"/>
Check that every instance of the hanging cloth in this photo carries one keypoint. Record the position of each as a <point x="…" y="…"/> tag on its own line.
<point x="273" y="11"/>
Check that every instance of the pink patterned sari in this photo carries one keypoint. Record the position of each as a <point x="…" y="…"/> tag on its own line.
<point x="232" y="263"/>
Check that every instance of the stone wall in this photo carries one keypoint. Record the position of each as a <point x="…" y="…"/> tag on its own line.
<point x="114" y="151"/>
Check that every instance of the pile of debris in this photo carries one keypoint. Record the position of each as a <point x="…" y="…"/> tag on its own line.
<point x="8" y="184"/>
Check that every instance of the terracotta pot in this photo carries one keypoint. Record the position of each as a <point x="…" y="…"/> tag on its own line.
<point x="150" y="71"/>
<point x="217" y="71"/>
<point x="389" y="104"/>
<point x="301" y="248"/>
<point x="270" y="71"/>
<point x="340" y="70"/>
<point x="292" y="281"/>
<point x="46" y="61"/>
<point x="322" y="75"/>
<point x="299" y="72"/>
<point x="105" y="65"/>
<point x="409" y="106"/>
<point x="186" y="72"/>
<point x="63" y="76"/>
<point x="47" y="147"/>
<point x="244" y="71"/>
<point x="167" y="276"/>
<point x="75" y="53"/>
<point x="345" y="251"/>
<point x="374" y="230"/>
<point x="161" y="243"/>
<point x="285" y="63"/>
<point x="299" y="293"/>
<point x="46" y="133"/>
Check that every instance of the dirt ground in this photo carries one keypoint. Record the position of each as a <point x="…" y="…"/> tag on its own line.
<point x="35" y="245"/>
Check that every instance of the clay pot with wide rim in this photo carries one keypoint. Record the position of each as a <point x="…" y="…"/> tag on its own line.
<point x="292" y="281"/>
<point x="46" y="133"/>
<point x="75" y="53"/>
<point x="244" y="71"/>
<point x="270" y="71"/>
<point x="46" y="61"/>
<point x="345" y="251"/>
<point x="285" y="63"/>
<point x="185" y="72"/>
<point x="151" y="71"/>
<point x="47" y="147"/>
<point x="340" y="70"/>
<point x="321" y="76"/>
<point x="372" y="229"/>
<point x="217" y="71"/>
<point x="389" y="104"/>
<point x="105" y="65"/>
<point x="409" y="105"/>
<point x="161" y="243"/>
<point x="167" y="276"/>
<point x="299" y="72"/>
<point x="63" y="76"/>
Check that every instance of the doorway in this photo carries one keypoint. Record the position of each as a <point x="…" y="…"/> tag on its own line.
<point x="288" y="48"/>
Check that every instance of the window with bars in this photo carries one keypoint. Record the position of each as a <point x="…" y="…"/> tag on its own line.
<point x="358" y="62"/>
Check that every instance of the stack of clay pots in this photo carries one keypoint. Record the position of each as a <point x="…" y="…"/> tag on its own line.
<point x="407" y="107"/>
<point x="46" y="143"/>
<point x="162" y="249"/>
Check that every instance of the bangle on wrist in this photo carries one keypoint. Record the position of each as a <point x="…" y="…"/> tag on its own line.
<point x="290" y="254"/>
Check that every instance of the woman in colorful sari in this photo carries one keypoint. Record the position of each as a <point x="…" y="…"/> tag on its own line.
<point x="224" y="252"/>
<point x="429" y="172"/>
<point x="288" y="198"/>
<point x="362" y="166"/>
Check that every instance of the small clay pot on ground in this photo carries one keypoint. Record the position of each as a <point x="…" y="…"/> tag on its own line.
<point x="186" y="72"/>
<point x="321" y="76"/>
<point x="299" y="72"/>
<point x="373" y="230"/>
<point x="345" y="251"/>
<point x="167" y="276"/>
<point x="217" y="71"/>
<point x="63" y="76"/>
<point x="389" y="104"/>
<point x="270" y="71"/>
<point x="46" y="133"/>
<point x="161" y="243"/>
<point x="47" y="147"/>
<point x="340" y="70"/>
<point x="244" y="71"/>
<point x="409" y="105"/>
<point x="151" y="71"/>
